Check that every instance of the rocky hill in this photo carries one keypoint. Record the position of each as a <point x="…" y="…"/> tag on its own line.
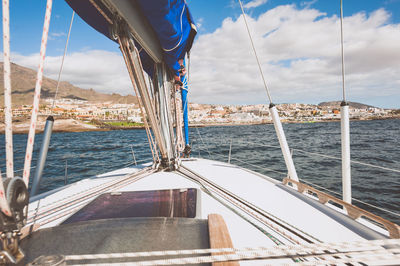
<point x="23" y="85"/>
<point x="336" y="104"/>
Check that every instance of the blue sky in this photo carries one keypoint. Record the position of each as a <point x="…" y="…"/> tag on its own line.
<point x="289" y="72"/>
<point x="212" y="12"/>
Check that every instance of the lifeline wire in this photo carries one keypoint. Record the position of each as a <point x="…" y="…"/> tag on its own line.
<point x="255" y="53"/>
<point x="7" y="90"/>
<point x="316" y="154"/>
<point x="62" y="62"/>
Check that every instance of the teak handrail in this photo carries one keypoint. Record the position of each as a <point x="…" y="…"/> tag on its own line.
<point x="353" y="212"/>
<point x="219" y="237"/>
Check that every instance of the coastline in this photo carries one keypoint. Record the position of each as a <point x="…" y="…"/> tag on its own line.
<point x="73" y="125"/>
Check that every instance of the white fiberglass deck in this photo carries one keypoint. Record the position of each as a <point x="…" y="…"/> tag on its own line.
<point x="267" y="194"/>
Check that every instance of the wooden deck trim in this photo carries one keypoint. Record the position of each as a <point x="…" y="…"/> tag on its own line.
<point x="219" y="237"/>
<point x="353" y="212"/>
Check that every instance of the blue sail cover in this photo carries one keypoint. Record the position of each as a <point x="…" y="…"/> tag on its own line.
<point x="170" y="19"/>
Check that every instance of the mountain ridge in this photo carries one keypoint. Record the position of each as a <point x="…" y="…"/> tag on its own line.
<point x="23" y="81"/>
<point x="355" y="105"/>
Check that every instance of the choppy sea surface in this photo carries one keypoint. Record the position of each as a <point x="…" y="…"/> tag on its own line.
<point x="86" y="154"/>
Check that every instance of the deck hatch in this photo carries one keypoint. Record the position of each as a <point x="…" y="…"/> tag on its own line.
<point x="155" y="203"/>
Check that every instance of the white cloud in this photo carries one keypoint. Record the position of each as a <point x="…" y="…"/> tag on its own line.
<point x="101" y="70"/>
<point x="54" y="35"/>
<point x="308" y="4"/>
<point x="300" y="55"/>
<point x="199" y="23"/>
<point x="254" y="3"/>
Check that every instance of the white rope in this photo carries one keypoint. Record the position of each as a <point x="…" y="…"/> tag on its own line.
<point x="7" y="90"/>
<point x="4" y="206"/>
<point x="36" y="96"/>
<point x="362" y="245"/>
<point x="255" y="52"/>
<point x="351" y="250"/>
<point x="178" y="120"/>
<point x="282" y="227"/>
<point x="62" y="62"/>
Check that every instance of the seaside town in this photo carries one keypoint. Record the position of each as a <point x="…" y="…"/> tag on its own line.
<point x="205" y="114"/>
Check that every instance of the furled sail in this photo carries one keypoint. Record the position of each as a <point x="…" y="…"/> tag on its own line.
<point x="171" y="22"/>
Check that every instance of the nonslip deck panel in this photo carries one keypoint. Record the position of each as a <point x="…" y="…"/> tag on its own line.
<point x="118" y="236"/>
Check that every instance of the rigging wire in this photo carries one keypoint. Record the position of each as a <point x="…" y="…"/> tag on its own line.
<point x="127" y="54"/>
<point x="188" y="106"/>
<point x="255" y="53"/>
<point x="325" y="156"/>
<point x="342" y="49"/>
<point x="62" y="62"/>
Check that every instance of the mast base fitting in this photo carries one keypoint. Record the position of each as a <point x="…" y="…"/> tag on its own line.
<point x="18" y="198"/>
<point x="271" y="105"/>
<point x="187" y="151"/>
<point x="167" y="165"/>
<point x="343" y="103"/>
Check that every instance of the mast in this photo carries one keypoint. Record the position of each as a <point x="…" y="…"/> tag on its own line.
<point x="345" y="126"/>
<point x="152" y="39"/>
<point x="131" y="32"/>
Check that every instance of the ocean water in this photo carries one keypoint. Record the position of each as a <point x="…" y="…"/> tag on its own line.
<point x="86" y="154"/>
